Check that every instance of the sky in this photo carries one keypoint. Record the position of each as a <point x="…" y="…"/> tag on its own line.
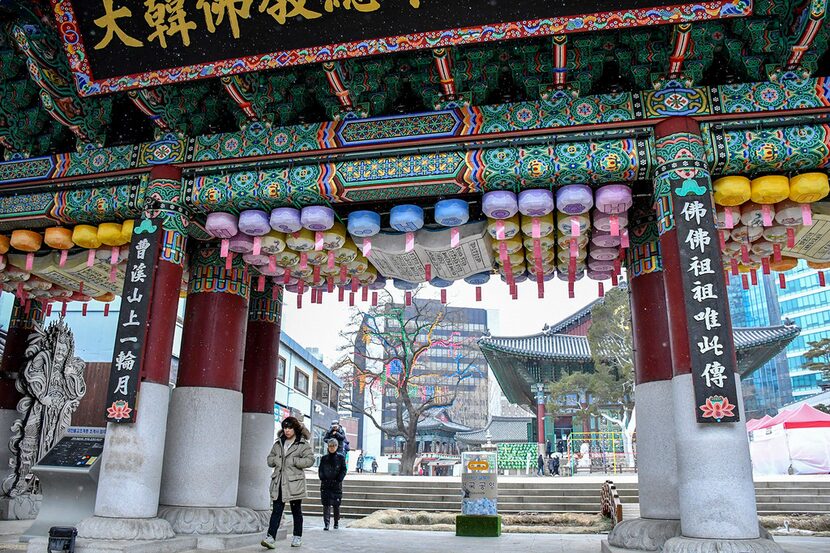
<point x="319" y="326"/>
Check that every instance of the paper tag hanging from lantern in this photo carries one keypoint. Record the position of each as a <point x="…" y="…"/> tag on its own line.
<point x="342" y="274"/>
<point x="600" y="290"/>
<point x="455" y="237"/>
<point x="410" y="241"/>
<point x="63" y="309"/>
<point x="408" y="298"/>
<point x="499" y="230"/>
<point x="224" y="247"/>
<point x="624" y="239"/>
<point x="753" y="274"/>
<point x="443" y="295"/>
<point x="428" y="271"/>
<point x="90" y="258"/>
<point x="374" y="299"/>
<point x="571" y="289"/>
<point x="275" y="291"/>
<point x="367" y="247"/>
<point x="821" y="279"/>
<point x="790" y="237"/>
<point x="260" y="285"/>
<point x="257" y="246"/>
<point x="806" y="215"/>
<point x="733" y="263"/>
<point x="364" y="295"/>
<point x="286" y="277"/>
<point x="744" y="253"/>
<point x="113" y="272"/>
<point x="30" y="261"/>
<point x="84" y="307"/>
<point x="49" y="309"/>
<point x="330" y="284"/>
<point x="478" y="292"/>
<point x="766" y="215"/>
<point x="765" y="265"/>
<point x="351" y="299"/>
<point x="614" y="221"/>
<point x="776" y="252"/>
<point x="728" y="220"/>
<point x="272" y="264"/>
<point x="782" y="280"/>
<point x="354" y="284"/>
<point x="722" y="240"/>
<point x="81" y="287"/>
<point x="330" y="260"/>
<point x="316" y="274"/>
<point x="744" y="282"/>
<point x="229" y="261"/>
<point x="574" y="227"/>
<point x="303" y="261"/>
<point x="318" y="241"/>
<point x="340" y="294"/>
<point x="299" y="300"/>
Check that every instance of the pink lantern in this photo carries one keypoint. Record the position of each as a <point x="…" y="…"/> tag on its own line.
<point x="221" y="225"/>
<point x="604" y="254"/>
<point x="604" y="239"/>
<point x="603" y="222"/>
<point x="499" y="204"/>
<point x="241" y="243"/>
<point x="574" y="199"/>
<point x="613" y="199"/>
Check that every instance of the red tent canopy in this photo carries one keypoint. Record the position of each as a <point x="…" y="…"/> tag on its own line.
<point x="805" y="416"/>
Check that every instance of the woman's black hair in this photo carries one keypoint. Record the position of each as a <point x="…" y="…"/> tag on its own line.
<point x="292" y="422"/>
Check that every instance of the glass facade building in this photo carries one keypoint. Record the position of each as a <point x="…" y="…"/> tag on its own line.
<point x="783" y="379"/>
<point x="808" y="305"/>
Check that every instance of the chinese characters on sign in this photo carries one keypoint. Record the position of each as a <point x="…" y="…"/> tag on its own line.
<point x="125" y="372"/>
<point x="712" y="350"/>
<point x="115" y="45"/>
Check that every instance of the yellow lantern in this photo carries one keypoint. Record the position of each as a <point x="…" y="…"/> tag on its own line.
<point x="127" y="231"/>
<point x="510" y="226"/>
<point x="819" y="265"/>
<point x="732" y="191"/>
<point x="109" y="234"/>
<point x="785" y="264"/>
<point x="809" y="187"/>
<point x="105" y="298"/>
<point x="512" y="245"/>
<point x="770" y="189"/>
<point x="4" y="244"/>
<point x="86" y="236"/>
<point x="335" y="237"/>
<point x="26" y="240"/>
<point x="59" y="238"/>
<point x="546" y="224"/>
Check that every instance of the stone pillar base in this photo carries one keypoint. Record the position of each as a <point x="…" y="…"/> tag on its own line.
<point x="682" y="544"/>
<point x="104" y="528"/>
<point x="642" y="534"/>
<point x="211" y="520"/>
<point x="22" y="507"/>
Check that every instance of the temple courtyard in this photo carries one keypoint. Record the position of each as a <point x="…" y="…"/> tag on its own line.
<point x="347" y="540"/>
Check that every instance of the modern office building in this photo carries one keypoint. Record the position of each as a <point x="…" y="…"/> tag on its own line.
<point x="803" y="302"/>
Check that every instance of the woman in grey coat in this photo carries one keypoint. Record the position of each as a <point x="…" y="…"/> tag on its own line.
<point x="289" y="457"/>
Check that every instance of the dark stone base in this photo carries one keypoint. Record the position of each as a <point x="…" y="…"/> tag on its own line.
<point x="478" y="526"/>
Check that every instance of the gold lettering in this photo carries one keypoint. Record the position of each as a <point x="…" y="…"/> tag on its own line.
<point x="280" y="10"/>
<point x="109" y="21"/>
<point x="168" y="18"/>
<point x="359" y="5"/>
<point x="234" y="9"/>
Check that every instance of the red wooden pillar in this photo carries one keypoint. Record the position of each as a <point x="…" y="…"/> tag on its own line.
<point x="713" y="462"/>
<point x="201" y="462"/>
<point x="259" y="382"/>
<point x="540" y="418"/>
<point x="21" y="326"/>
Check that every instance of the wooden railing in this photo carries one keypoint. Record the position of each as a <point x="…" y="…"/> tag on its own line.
<point x="611" y="504"/>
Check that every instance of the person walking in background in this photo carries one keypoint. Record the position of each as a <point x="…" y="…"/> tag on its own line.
<point x="374" y="466"/>
<point x="540" y="466"/>
<point x="289" y="457"/>
<point x="337" y="433"/>
<point x="360" y="461"/>
<point x="332" y="471"/>
<point x="554" y="463"/>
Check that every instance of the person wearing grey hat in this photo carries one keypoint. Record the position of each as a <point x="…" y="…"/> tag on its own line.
<point x="332" y="472"/>
<point x="336" y="432"/>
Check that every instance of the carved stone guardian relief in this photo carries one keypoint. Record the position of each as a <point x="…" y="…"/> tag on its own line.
<point x="52" y="384"/>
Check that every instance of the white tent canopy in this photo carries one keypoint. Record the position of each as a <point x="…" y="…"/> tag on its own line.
<point x="793" y="442"/>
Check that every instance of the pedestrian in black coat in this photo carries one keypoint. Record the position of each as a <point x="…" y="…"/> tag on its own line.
<point x="332" y="471"/>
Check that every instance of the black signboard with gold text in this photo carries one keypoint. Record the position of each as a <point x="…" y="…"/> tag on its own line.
<point x="123" y="44"/>
<point x="128" y="354"/>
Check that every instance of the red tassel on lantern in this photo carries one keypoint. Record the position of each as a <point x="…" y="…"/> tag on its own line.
<point x="614" y="280"/>
<point x="83" y="309"/>
<point x="260" y="284"/>
<point x="316" y="274"/>
<point x="734" y="264"/>
<point x="782" y="280"/>
<point x="428" y="272"/>
<point x="765" y="265"/>
<point x="106" y="310"/>
<point x="354" y="284"/>
<point x="776" y="252"/>
<point x="790" y="237"/>
<point x="229" y="261"/>
<point x="49" y="308"/>
<point x="821" y="281"/>
<point x="63" y="310"/>
<point x="443" y="295"/>
<point x="408" y="298"/>
<point x="342" y="274"/>
<point x="753" y="275"/>
<point x="286" y="277"/>
<point x="81" y="287"/>
<point x="330" y="284"/>
<point x="571" y="290"/>
<point x="478" y="293"/>
<point x="744" y="282"/>
<point x="374" y="299"/>
<point x="600" y="290"/>
<point x="351" y="299"/>
<point x="365" y="294"/>
<point x="299" y="300"/>
<point x="340" y="292"/>
<point x="274" y="291"/>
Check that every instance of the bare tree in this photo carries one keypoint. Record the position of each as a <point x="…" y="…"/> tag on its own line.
<point x="387" y="343"/>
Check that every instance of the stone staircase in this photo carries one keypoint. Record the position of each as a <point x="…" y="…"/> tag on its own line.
<point x="364" y="495"/>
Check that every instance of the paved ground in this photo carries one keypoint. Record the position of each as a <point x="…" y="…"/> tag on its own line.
<point x="348" y="540"/>
<point x="387" y="541"/>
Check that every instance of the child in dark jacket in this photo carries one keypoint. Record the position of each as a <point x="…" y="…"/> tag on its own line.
<point x="332" y="471"/>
